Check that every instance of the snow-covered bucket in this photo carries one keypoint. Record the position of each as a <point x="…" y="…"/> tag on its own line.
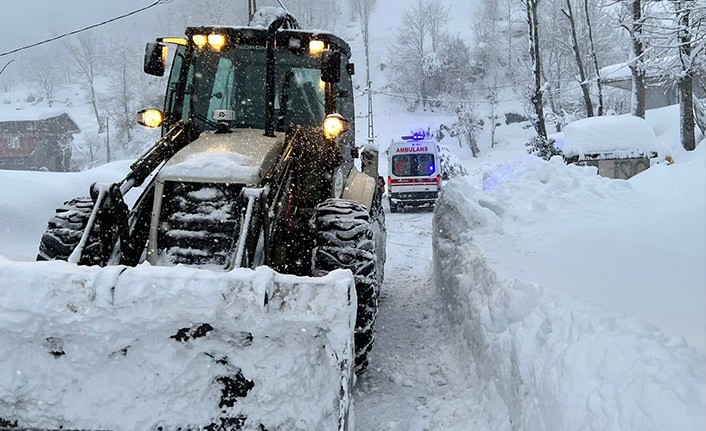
<point x="140" y="348"/>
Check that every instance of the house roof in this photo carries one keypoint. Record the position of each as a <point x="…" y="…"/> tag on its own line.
<point x="52" y="120"/>
<point x="30" y="114"/>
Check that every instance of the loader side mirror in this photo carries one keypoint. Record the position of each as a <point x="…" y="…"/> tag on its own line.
<point x="331" y="66"/>
<point x="155" y="59"/>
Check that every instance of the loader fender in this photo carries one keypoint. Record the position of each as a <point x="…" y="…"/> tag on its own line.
<point x="141" y="348"/>
<point x="360" y="188"/>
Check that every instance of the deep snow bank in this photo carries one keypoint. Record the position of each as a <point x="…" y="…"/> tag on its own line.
<point x="28" y="199"/>
<point x="558" y="363"/>
<point x="126" y="348"/>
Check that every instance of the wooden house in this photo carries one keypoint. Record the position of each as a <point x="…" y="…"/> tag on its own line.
<point x="36" y="141"/>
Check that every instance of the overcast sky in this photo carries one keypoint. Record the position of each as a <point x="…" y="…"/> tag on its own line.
<point x="28" y="21"/>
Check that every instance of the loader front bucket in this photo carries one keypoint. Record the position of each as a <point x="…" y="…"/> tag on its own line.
<point x="167" y="348"/>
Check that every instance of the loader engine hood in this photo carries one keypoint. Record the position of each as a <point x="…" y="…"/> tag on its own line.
<point x="243" y="156"/>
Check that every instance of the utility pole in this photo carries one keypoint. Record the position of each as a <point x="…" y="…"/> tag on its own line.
<point x="107" y="140"/>
<point x="365" y="16"/>
<point x="371" y="128"/>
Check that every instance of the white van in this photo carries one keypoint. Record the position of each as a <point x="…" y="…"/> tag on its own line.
<point x="414" y="172"/>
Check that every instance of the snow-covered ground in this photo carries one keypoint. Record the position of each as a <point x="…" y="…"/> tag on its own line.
<point x="635" y="247"/>
<point x="417" y="380"/>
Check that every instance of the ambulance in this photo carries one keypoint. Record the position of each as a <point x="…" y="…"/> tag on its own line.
<point x="414" y="172"/>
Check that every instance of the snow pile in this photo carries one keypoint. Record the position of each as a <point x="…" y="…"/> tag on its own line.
<point x="617" y="136"/>
<point x="558" y="362"/>
<point x="28" y="200"/>
<point x="137" y="348"/>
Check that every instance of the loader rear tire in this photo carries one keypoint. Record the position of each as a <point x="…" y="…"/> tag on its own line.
<point x="345" y="239"/>
<point x="65" y="230"/>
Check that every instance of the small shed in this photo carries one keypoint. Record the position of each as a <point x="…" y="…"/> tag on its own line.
<point x="33" y="140"/>
<point x="619" y="146"/>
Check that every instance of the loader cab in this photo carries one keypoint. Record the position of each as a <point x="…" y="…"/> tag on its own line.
<point x="226" y="68"/>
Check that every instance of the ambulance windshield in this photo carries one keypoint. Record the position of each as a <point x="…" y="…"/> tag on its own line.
<point x="413" y="165"/>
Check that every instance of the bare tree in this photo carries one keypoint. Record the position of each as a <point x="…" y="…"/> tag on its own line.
<point x="45" y="75"/>
<point x="318" y="14"/>
<point x="536" y="59"/>
<point x="437" y="15"/>
<point x="123" y="89"/>
<point x="409" y="51"/>
<point x="363" y="10"/>
<point x="487" y="52"/>
<point x="637" y="63"/>
<point x="493" y="113"/>
<point x="686" y="81"/>
<point x="594" y="56"/>
<point x="569" y="13"/>
<point x="86" y="53"/>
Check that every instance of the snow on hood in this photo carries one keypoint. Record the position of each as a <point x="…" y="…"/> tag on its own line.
<point x="218" y="165"/>
<point x="237" y="157"/>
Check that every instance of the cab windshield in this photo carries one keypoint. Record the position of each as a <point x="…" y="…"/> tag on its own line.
<point x="234" y="79"/>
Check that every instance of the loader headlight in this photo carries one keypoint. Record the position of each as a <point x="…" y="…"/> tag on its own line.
<point x="200" y="40"/>
<point x="316" y="47"/>
<point x="216" y="41"/>
<point x="334" y="125"/>
<point x="151" y="118"/>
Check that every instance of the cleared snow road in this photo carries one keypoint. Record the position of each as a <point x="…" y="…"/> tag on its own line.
<point x="416" y="379"/>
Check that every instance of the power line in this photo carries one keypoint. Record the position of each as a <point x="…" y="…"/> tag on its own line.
<point x="5" y="67"/>
<point x="85" y="28"/>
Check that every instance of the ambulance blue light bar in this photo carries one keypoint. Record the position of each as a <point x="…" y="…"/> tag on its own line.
<point x="415" y="137"/>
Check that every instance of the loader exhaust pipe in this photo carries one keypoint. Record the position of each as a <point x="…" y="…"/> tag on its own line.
<point x="290" y="22"/>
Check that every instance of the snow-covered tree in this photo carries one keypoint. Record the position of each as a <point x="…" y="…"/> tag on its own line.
<point x="426" y="62"/>
<point x="46" y="77"/>
<point x="467" y="127"/>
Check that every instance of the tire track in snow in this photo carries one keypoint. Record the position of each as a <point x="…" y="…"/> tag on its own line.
<point x="416" y="381"/>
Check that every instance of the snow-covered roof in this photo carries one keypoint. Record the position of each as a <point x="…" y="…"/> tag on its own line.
<point x="31" y="114"/>
<point x="623" y="135"/>
<point x="654" y="67"/>
<point x="616" y="72"/>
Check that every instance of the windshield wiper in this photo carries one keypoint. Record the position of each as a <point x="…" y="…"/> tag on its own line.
<point x="205" y="119"/>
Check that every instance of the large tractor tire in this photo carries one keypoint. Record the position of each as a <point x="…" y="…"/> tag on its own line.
<point x="345" y="239"/>
<point x="65" y="230"/>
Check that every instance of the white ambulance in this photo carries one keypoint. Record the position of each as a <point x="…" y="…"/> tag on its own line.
<point x="414" y="172"/>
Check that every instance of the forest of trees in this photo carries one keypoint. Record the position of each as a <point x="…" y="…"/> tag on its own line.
<point x="546" y="53"/>
<point x="549" y="54"/>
